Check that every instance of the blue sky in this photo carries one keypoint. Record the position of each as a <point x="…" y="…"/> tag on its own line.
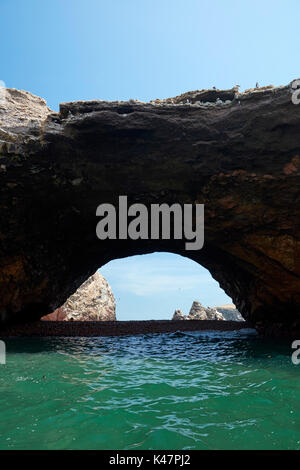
<point x="153" y="286"/>
<point x="66" y="50"/>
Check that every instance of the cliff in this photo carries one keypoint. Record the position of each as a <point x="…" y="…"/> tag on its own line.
<point x="92" y="301"/>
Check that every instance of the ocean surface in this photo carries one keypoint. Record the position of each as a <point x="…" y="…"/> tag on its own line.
<point x="200" y="390"/>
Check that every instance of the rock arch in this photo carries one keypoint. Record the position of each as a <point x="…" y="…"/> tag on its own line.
<point x="239" y="154"/>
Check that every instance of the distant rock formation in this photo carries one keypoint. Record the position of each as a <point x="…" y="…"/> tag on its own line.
<point x="93" y="301"/>
<point x="199" y="312"/>
<point x="229" y="312"/>
<point x="178" y="315"/>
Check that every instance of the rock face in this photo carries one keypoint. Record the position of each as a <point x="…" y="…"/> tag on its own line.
<point x="238" y="153"/>
<point x="93" y="301"/>
<point x="229" y="312"/>
<point x="198" y="312"/>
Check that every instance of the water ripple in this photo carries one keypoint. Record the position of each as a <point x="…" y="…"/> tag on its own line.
<point x="200" y="390"/>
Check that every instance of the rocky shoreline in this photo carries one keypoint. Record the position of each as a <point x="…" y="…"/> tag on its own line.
<point x="113" y="328"/>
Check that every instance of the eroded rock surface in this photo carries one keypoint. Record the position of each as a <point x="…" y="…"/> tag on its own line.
<point x="238" y="153"/>
<point x="93" y="301"/>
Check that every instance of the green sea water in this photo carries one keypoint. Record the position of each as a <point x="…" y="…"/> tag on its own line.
<point x="201" y="390"/>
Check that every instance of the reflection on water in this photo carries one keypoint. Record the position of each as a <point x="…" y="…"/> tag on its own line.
<point x="200" y="390"/>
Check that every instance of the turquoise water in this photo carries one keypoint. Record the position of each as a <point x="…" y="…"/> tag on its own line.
<point x="202" y="390"/>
